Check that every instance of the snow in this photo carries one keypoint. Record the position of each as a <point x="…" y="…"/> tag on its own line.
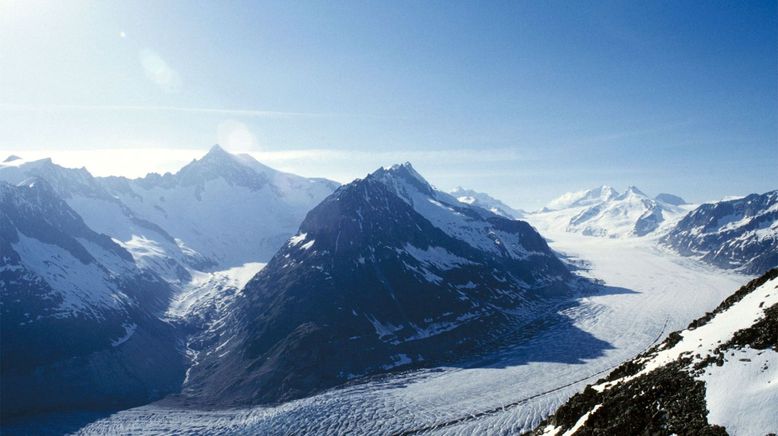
<point x="398" y="360"/>
<point x="383" y="330"/>
<point x="602" y="212"/>
<point x="702" y="341"/>
<point x="296" y="239"/>
<point x="204" y="205"/>
<point x="438" y="257"/>
<point x="473" y="198"/>
<point x="85" y="288"/>
<point x="740" y="393"/>
<point x="129" y="330"/>
<point x="648" y="293"/>
<point x="582" y="198"/>
<point x="581" y="421"/>
<point x="209" y="289"/>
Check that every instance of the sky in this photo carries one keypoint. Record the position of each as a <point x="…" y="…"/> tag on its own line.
<point x="523" y="100"/>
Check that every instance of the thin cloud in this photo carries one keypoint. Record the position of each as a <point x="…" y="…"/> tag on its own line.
<point x="214" y="111"/>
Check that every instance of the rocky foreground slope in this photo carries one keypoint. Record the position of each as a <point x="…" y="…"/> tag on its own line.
<point x="719" y="376"/>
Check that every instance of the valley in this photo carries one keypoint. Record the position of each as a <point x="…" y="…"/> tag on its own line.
<point x="647" y="294"/>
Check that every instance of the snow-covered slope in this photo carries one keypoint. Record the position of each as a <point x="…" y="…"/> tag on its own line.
<point x="386" y="273"/>
<point x="75" y="308"/>
<point x="218" y="212"/>
<point x="720" y="374"/>
<point x="92" y="198"/>
<point x="588" y="197"/>
<point x="230" y="208"/>
<point x="603" y="212"/>
<point x="506" y="392"/>
<point x="474" y="198"/>
<point x="733" y="234"/>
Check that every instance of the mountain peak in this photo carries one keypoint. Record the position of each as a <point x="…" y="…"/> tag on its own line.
<point x="12" y="158"/>
<point x="401" y="174"/>
<point x="217" y="149"/>
<point x="583" y="198"/>
<point x="217" y="154"/>
<point x="633" y="190"/>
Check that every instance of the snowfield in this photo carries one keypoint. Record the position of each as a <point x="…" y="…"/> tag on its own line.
<point x="646" y="294"/>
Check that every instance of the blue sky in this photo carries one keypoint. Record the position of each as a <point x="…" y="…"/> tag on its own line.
<point x="524" y="100"/>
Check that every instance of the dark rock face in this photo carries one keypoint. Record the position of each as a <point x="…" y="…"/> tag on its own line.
<point x="385" y="274"/>
<point x="737" y="234"/>
<point x="68" y="344"/>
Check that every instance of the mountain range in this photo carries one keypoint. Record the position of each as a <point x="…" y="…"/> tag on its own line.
<point x="737" y="234"/>
<point x="604" y="212"/>
<point x="229" y="283"/>
<point x="217" y="212"/>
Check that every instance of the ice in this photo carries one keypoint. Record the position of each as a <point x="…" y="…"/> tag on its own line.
<point x="648" y="293"/>
<point x="210" y="289"/>
<point x="129" y="330"/>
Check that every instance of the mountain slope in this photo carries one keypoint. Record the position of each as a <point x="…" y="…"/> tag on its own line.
<point x="385" y="273"/>
<point x="474" y="198"/>
<point x="218" y="212"/>
<point x="79" y="325"/>
<point x="96" y="203"/>
<point x="584" y="198"/>
<point x="715" y="377"/>
<point x="734" y="234"/>
<point x="230" y="208"/>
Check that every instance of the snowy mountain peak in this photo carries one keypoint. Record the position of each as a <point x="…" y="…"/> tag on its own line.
<point x="217" y="149"/>
<point x="606" y="213"/>
<point x="217" y="156"/>
<point x="11" y="158"/>
<point x="402" y="178"/>
<point x="406" y="170"/>
<point x="480" y="199"/>
<point x="632" y="191"/>
<point x="583" y="198"/>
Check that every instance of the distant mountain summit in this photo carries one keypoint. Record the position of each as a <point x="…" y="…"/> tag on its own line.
<point x="229" y="208"/>
<point x="473" y="198"/>
<point x="587" y="197"/>
<point x="386" y="273"/>
<point x="220" y="211"/>
<point x="733" y="234"/>
<point x="604" y="212"/>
